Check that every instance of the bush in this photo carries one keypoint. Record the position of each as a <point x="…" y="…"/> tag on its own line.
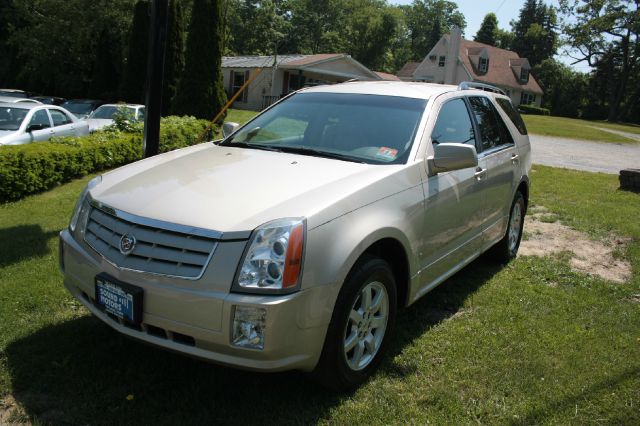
<point x="36" y="167"/>
<point x="534" y="110"/>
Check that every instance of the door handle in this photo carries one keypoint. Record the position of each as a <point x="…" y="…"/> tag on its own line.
<point x="480" y="173"/>
<point x="515" y="159"/>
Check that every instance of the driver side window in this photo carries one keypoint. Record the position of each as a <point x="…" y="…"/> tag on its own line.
<point x="454" y="124"/>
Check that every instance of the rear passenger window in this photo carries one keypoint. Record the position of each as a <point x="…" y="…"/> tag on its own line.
<point x="513" y="114"/>
<point x="454" y="124"/>
<point x="493" y="131"/>
<point x="59" y="118"/>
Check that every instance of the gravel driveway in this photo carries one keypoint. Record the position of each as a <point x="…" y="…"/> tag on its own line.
<point x="584" y="155"/>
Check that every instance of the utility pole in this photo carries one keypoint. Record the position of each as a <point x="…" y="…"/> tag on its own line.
<point x="155" y="75"/>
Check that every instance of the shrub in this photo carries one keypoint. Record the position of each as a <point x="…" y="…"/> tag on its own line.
<point x="32" y="168"/>
<point x="534" y="110"/>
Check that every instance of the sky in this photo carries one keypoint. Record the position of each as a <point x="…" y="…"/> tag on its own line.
<point x="506" y="10"/>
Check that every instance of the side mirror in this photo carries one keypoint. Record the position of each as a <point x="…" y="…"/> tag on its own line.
<point x="33" y="127"/>
<point x="229" y="128"/>
<point x="451" y="156"/>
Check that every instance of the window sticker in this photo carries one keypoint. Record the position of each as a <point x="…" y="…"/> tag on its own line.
<point x="387" y="153"/>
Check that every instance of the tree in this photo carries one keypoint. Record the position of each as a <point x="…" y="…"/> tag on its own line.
<point x="106" y="69"/>
<point x="535" y="32"/>
<point x="56" y="42"/>
<point x="565" y="90"/>
<point x="174" y="55"/>
<point x="607" y="30"/>
<point x="135" y="75"/>
<point x="423" y="16"/>
<point x="200" y="92"/>
<point x="487" y="33"/>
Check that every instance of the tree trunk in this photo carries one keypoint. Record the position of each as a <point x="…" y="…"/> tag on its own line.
<point x="621" y="86"/>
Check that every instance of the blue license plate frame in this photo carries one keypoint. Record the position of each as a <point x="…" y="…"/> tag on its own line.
<point x="118" y="298"/>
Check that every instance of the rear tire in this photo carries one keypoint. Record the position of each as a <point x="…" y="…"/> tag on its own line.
<point x="360" y="329"/>
<point x="507" y="248"/>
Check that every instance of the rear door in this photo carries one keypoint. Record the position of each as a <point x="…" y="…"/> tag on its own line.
<point x="63" y="125"/>
<point x="499" y="161"/>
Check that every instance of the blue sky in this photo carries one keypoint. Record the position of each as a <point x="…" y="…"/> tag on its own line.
<point x="506" y="10"/>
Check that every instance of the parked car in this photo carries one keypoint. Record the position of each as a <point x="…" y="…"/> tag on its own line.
<point x="9" y="99"/>
<point x="22" y="123"/>
<point x="81" y="108"/>
<point x="49" y="100"/>
<point x="14" y="93"/>
<point x="105" y="115"/>
<point x="293" y="242"/>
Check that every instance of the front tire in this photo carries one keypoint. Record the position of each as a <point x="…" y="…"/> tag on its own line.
<point x="362" y="322"/>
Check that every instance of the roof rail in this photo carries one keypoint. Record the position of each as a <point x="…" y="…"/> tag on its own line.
<point x="469" y="85"/>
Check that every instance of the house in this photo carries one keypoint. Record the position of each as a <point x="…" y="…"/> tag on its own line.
<point x="286" y="74"/>
<point x="454" y="60"/>
<point x="406" y="72"/>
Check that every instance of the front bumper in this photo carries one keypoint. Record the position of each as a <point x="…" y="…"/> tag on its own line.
<point x="195" y="317"/>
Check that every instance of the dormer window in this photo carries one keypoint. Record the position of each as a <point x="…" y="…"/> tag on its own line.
<point x="524" y="75"/>
<point x="483" y="64"/>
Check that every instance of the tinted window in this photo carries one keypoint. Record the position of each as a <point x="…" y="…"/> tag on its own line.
<point x="40" y="117"/>
<point x="513" y="114"/>
<point x="490" y="131"/>
<point x="454" y="124"/>
<point x="59" y="118"/>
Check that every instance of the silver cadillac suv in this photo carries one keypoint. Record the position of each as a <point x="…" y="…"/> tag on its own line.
<point x="293" y="242"/>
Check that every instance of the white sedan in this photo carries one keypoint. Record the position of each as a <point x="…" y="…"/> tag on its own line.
<point x="22" y="123"/>
<point x="105" y="115"/>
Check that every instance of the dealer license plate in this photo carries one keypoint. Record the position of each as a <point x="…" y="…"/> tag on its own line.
<point x="120" y="299"/>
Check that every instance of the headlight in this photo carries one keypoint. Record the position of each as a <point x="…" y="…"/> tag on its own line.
<point x="76" y="211"/>
<point x="273" y="261"/>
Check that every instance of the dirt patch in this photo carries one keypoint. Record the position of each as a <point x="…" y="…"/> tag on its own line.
<point x="546" y="236"/>
<point x="10" y="413"/>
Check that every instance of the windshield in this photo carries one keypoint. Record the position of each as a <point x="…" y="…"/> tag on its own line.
<point x="372" y="129"/>
<point x="109" y="111"/>
<point x="77" y="108"/>
<point x="11" y="118"/>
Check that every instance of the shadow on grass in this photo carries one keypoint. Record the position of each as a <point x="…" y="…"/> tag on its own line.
<point x="82" y="371"/>
<point x="23" y="242"/>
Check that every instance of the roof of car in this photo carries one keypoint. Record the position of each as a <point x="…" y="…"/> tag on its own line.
<point x="387" y="88"/>
<point x="22" y="105"/>
<point x="123" y="105"/>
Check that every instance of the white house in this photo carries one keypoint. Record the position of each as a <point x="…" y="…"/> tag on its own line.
<point x="454" y="60"/>
<point x="291" y="72"/>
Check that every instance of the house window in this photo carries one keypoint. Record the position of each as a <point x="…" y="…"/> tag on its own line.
<point x="527" y="98"/>
<point x="296" y="81"/>
<point x="441" y="61"/>
<point x="238" y="78"/>
<point x="483" y="65"/>
<point x="524" y="75"/>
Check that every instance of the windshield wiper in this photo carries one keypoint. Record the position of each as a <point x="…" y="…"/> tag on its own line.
<point x="250" y="145"/>
<point x="317" y="153"/>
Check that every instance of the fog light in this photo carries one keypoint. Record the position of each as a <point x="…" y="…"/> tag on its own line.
<point x="249" y="325"/>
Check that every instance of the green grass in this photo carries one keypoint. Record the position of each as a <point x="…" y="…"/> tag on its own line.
<point x="239" y="115"/>
<point x="530" y="343"/>
<point x="578" y="129"/>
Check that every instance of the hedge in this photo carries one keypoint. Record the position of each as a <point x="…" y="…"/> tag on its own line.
<point x="36" y="167"/>
<point x="530" y="109"/>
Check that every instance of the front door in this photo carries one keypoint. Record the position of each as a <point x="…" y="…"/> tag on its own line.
<point x="453" y="203"/>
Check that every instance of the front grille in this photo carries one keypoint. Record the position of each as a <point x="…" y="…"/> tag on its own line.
<point x="158" y="251"/>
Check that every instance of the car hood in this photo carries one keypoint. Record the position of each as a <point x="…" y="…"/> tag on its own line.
<point x="237" y="189"/>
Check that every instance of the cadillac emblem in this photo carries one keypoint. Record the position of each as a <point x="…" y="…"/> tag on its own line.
<point x="127" y="244"/>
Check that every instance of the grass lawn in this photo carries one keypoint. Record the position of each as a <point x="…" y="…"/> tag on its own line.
<point x="530" y="343"/>
<point x="578" y="129"/>
<point x="239" y="115"/>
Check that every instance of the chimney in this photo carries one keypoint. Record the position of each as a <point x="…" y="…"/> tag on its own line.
<point x="451" y="66"/>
